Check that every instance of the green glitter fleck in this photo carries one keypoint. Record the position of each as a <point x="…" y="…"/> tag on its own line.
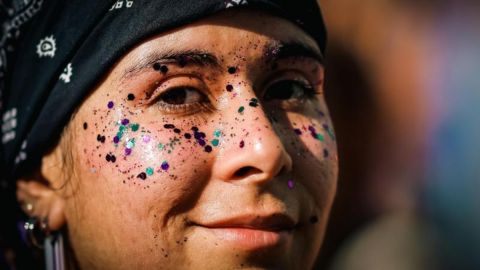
<point x="241" y="109"/>
<point x="134" y="127"/>
<point x="149" y="171"/>
<point x="320" y="137"/>
<point x="161" y="146"/>
<point x="119" y="135"/>
<point x="217" y="133"/>
<point x="215" y="142"/>
<point x="131" y="143"/>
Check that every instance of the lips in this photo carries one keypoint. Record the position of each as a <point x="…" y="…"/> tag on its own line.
<point x="251" y="232"/>
<point x="269" y="222"/>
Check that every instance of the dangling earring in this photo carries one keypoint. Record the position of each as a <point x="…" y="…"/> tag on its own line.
<point x="40" y="236"/>
<point x="37" y="231"/>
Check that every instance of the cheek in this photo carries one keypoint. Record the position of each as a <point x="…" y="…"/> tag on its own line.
<point x="139" y="151"/>
<point x="311" y="143"/>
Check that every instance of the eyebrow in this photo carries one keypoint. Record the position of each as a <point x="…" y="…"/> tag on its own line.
<point x="277" y="50"/>
<point x="273" y="51"/>
<point x="181" y="58"/>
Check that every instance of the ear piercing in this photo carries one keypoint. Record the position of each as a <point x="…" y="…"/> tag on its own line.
<point x="29" y="207"/>
<point x="36" y="230"/>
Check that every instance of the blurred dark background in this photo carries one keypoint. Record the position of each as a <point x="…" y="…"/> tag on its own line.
<point x="403" y="89"/>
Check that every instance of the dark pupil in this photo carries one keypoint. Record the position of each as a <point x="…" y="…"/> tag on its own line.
<point x="281" y="90"/>
<point x="175" y="96"/>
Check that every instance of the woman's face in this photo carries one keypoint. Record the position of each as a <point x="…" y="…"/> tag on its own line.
<point x="208" y="147"/>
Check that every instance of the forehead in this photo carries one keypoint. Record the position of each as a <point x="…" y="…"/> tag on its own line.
<point x="238" y="33"/>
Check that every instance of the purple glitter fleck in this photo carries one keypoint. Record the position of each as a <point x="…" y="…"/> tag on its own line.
<point x="291" y="184"/>
<point x="128" y="151"/>
<point x="298" y="131"/>
<point x="116" y="139"/>
<point x="125" y="122"/>
<point x="110" y="104"/>
<point x="165" y="166"/>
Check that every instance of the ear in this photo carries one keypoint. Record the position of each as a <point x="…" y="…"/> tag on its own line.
<point x="41" y="195"/>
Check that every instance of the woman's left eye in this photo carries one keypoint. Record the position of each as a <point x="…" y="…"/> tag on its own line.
<point x="288" y="89"/>
<point x="181" y="96"/>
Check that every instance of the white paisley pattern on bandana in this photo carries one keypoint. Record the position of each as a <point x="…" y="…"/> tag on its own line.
<point x="234" y="3"/>
<point x="67" y="73"/>
<point x="13" y="14"/>
<point x="122" y="4"/>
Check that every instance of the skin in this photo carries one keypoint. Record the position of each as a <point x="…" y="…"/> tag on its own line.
<point x="117" y="220"/>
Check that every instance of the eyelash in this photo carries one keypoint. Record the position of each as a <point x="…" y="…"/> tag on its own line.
<point x="185" y="109"/>
<point x="204" y="105"/>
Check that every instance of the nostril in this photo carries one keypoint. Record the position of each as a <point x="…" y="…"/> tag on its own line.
<point x="244" y="171"/>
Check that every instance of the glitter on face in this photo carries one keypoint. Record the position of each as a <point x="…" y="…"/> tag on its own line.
<point x="101" y="138"/>
<point x="131" y="97"/>
<point x="149" y="171"/>
<point x="253" y="102"/>
<point x="217" y="133"/>
<point x="229" y="88"/>
<point x="125" y="122"/>
<point x="242" y="144"/>
<point x="110" y="104"/>
<point x="208" y="149"/>
<point x="128" y="151"/>
<point x="176" y="130"/>
<point x="241" y="109"/>
<point x="85" y="125"/>
<point x="316" y="135"/>
<point x="142" y="176"/>
<point x="168" y="126"/>
<point x="291" y="184"/>
<point x="134" y="127"/>
<point x="187" y="135"/>
<point x="110" y="158"/>
<point x="130" y="144"/>
<point x="215" y="142"/>
<point x="116" y="139"/>
<point x="146" y="139"/>
<point x="325" y="153"/>
<point x="164" y="69"/>
<point x="161" y="146"/>
<point x="232" y="70"/>
<point x="298" y="131"/>
<point x="165" y="166"/>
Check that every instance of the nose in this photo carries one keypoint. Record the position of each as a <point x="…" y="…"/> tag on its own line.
<point x="256" y="154"/>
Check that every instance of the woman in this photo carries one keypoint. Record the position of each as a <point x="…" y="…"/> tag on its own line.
<point x="196" y="134"/>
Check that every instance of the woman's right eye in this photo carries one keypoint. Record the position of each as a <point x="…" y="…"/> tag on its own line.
<point x="182" y="96"/>
<point x="182" y="100"/>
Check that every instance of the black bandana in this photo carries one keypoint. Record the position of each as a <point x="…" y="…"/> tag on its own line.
<point x="53" y="52"/>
